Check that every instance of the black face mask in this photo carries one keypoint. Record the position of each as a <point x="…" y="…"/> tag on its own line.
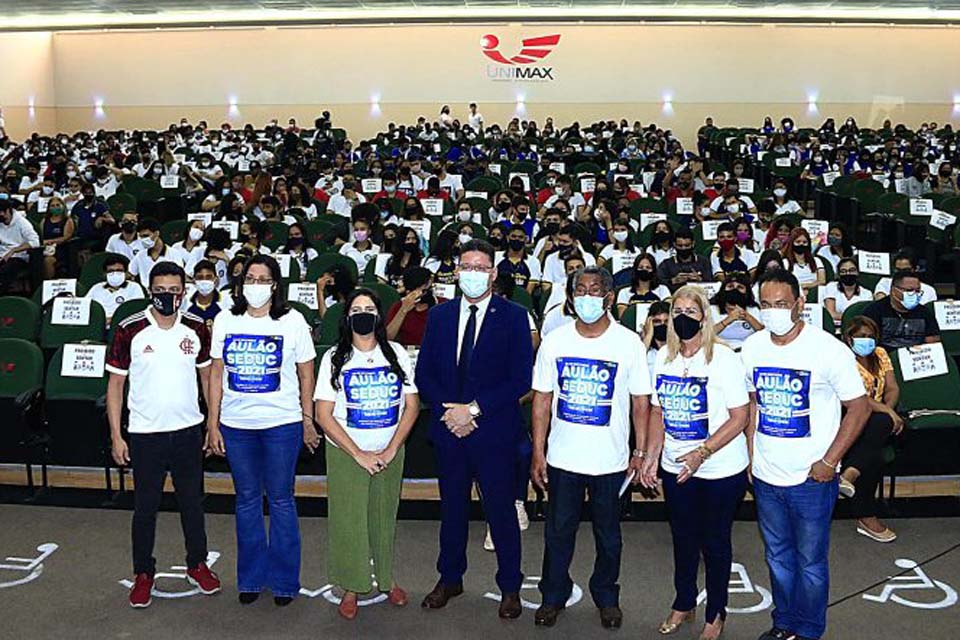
<point x="660" y="333"/>
<point x="364" y="323"/>
<point x="501" y="206"/>
<point x="496" y="242"/>
<point x="644" y="276"/>
<point x="295" y="242"/>
<point x="848" y="279"/>
<point x="515" y="245"/>
<point x="165" y="303"/>
<point x="564" y="251"/>
<point x="801" y="248"/>
<point x="412" y="210"/>
<point x="129" y="227"/>
<point x="411" y="247"/>
<point x="685" y="254"/>
<point x="685" y="326"/>
<point x="735" y="297"/>
<point x="551" y="228"/>
<point x="660" y="237"/>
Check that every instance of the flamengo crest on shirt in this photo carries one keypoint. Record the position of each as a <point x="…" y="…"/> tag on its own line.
<point x="517" y="67"/>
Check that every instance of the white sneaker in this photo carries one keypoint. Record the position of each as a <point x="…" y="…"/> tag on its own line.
<point x="488" y="541"/>
<point x="522" y="517"/>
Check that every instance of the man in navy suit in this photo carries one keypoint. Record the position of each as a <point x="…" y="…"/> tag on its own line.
<point x="475" y="363"/>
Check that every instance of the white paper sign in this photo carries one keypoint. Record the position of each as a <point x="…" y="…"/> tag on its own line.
<point x="588" y="184"/>
<point x="53" y="288"/>
<point x="206" y="218"/>
<point x="709" y="228"/>
<point x="232" y="227"/>
<point x="829" y="178"/>
<point x="71" y="311"/>
<point x="900" y="185"/>
<point x="371" y="185"/>
<point x="921" y="207"/>
<point x="495" y="168"/>
<point x="622" y="260"/>
<point x="813" y="315"/>
<point x="746" y="185"/>
<point x="524" y="177"/>
<point x="83" y="360"/>
<point x="709" y="288"/>
<point x="922" y="361"/>
<point x="283" y="261"/>
<point x="42" y="205"/>
<point x="304" y="293"/>
<point x="648" y="178"/>
<point x="877" y="263"/>
<point x="432" y="206"/>
<point x="948" y="314"/>
<point x="782" y="162"/>
<point x="684" y="206"/>
<point x="559" y="167"/>
<point x="941" y="220"/>
<point x="650" y="218"/>
<point x="445" y="291"/>
<point x="643" y="310"/>
<point x="638" y="189"/>
<point x="817" y="229"/>
<point x="169" y="182"/>
<point x="476" y="194"/>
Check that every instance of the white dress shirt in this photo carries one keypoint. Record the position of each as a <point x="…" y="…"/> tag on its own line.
<point x="465" y="316"/>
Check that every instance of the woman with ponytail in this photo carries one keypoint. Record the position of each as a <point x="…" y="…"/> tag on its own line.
<point x="366" y="403"/>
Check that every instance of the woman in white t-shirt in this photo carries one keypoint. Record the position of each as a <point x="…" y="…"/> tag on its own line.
<point x="839" y="295"/>
<point x="260" y="415"/>
<point x="735" y="310"/>
<point x="299" y="248"/>
<point x="366" y="403"/>
<point x="190" y="250"/>
<point x="798" y="258"/>
<point x="644" y="285"/>
<point x="838" y="246"/>
<point x="698" y="415"/>
<point x="621" y="252"/>
<point x="782" y="202"/>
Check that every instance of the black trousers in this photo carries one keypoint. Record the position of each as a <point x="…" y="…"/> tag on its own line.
<point x="866" y="455"/>
<point x="152" y="455"/>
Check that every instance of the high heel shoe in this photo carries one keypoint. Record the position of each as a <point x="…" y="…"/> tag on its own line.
<point x="705" y="636"/>
<point x="669" y="628"/>
<point x="348" y="607"/>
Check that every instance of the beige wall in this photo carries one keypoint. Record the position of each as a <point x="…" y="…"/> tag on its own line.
<point x="737" y="73"/>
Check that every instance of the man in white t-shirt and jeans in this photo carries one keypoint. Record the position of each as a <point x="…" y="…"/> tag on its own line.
<point x="160" y="351"/>
<point x="590" y="379"/>
<point x="799" y="377"/>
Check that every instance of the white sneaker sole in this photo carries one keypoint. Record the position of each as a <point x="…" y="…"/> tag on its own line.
<point x="142" y="606"/>
<point x="197" y="585"/>
<point x="870" y="534"/>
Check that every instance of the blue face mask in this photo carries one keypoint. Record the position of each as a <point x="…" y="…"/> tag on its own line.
<point x="911" y="299"/>
<point x="864" y="346"/>
<point x="589" y="308"/>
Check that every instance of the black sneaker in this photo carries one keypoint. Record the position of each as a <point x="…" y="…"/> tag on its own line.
<point x="778" y="634"/>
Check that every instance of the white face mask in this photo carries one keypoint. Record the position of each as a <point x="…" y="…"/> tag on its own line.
<point x="620" y="236"/>
<point x="196" y="234"/>
<point x="779" y="192"/>
<point x="147" y="242"/>
<point x="464" y="215"/>
<point x="465" y="238"/>
<point x="257" y="295"/>
<point x="205" y="287"/>
<point x="778" y="321"/>
<point x="116" y="278"/>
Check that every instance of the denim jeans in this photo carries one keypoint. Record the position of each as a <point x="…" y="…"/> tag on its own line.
<point x="795" y="524"/>
<point x="701" y="519"/>
<point x="264" y="461"/>
<point x="152" y="455"/>
<point x="565" y="502"/>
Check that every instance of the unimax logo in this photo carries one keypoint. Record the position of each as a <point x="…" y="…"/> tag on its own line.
<point x="520" y="66"/>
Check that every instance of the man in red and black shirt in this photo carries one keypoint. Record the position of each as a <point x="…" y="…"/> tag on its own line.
<point x="160" y="351"/>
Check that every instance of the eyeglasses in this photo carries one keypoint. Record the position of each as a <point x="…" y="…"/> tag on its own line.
<point x="174" y="290"/>
<point x="249" y="280"/>
<point x="475" y="268"/>
<point x="692" y="312"/>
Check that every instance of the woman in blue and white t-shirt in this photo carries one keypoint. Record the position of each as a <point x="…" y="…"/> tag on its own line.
<point x="260" y="415"/>
<point x="699" y="412"/>
<point x="366" y="404"/>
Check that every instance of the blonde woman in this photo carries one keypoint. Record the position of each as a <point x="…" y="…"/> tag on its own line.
<point x="695" y="436"/>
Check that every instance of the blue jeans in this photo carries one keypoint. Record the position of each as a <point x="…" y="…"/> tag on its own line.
<point x="795" y="524"/>
<point x="701" y="518"/>
<point x="565" y="502"/>
<point x="264" y="461"/>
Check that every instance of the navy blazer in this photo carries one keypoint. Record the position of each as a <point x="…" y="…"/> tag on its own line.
<point x="501" y="371"/>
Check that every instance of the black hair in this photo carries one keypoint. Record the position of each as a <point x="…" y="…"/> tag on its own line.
<point x="204" y="265"/>
<point x="658" y="307"/>
<point x="344" y="348"/>
<point x="768" y="256"/>
<point x="304" y="234"/>
<point x="780" y="276"/>
<point x="902" y="275"/>
<point x="116" y="258"/>
<point x="148" y="224"/>
<point x="278" y="306"/>
<point x="394" y="264"/>
<point x="415" y="277"/>
<point x="634" y="280"/>
<point x="479" y="245"/>
<point x="720" y="297"/>
<point x="444" y="245"/>
<point x="167" y="268"/>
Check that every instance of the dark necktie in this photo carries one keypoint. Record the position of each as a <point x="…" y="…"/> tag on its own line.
<point x="466" y="347"/>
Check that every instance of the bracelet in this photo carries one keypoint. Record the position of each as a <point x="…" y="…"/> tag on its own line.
<point x="704" y="452"/>
<point x="829" y="464"/>
<point x="639" y="454"/>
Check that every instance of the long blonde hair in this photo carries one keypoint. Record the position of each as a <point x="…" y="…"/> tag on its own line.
<point x="708" y="334"/>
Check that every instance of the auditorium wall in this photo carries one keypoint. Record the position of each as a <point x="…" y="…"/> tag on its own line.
<point x="370" y="75"/>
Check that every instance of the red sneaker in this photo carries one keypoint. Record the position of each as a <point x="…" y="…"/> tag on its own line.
<point x="140" y="592"/>
<point x="202" y="578"/>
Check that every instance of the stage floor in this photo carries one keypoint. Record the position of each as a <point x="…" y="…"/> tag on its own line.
<point x="74" y="591"/>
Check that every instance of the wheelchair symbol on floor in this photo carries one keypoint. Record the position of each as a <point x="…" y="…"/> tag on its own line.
<point x="33" y="567"/>
<point x="918" y="580"/>
<point x="176" y="573"/>
<point x="740" y="582"/>
<point x="532" y="582"/>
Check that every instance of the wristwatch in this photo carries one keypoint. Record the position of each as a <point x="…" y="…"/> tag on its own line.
<point x="474" y="409"/>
